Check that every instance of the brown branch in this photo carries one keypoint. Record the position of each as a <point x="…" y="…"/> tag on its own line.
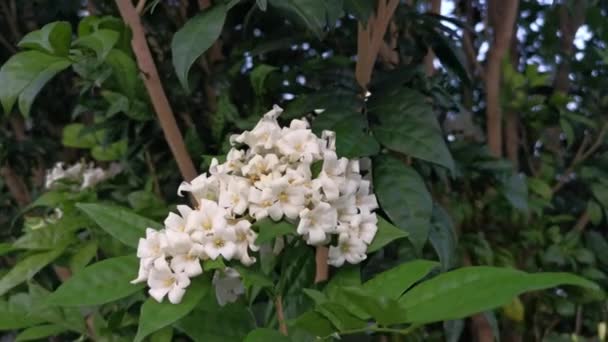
<point x="502" y="15"/>
<point x="280" y="315"/>
<point x="15" y="186"/>
<point x="141" y="4"/>
<point x="322" y="267"/>
<point x="155" y="90"/>
<point x="371" y="38"/>
<point x="582" y="222"/>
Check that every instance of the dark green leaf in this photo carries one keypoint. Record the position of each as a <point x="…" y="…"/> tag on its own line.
<point x="39" y="332"/>
<point x="392" y="283"/>
<point x="315" y="323"/>
<point x="119" y="222"/>
<point x="77" y="135"/>
<point x="252" y="277"/>
<point x="361" y="9"/>
<point x="406" y="123"/>
<point x="155" y="316"/>
<point x="404" y="197"/>
<point x="113" y="151"/>
<point x="28" y="267"/>
<point x="83" y="256"/>
<point x="13" y="315"/>
<point x="443" y="237"/>
<point x="124" y="72"/>
<point x="99" y="283"/>
<point x="262" y="4"/>
<point x="515" y="190"/>
<point x="230" y="323"/>
<point x="258" y="77"/>
<point x="27" y="72"/>
<point x="265" y="335"/>
<point x="194" y="38"/>
<point x="384" y="310"/>
<point x="466" y="291"/>
<point x="53" y="38"/>
<point x="314" y="15"/>
<point x="386" y="234"/>
<point x="269" y="229"/>
<point x="340" y="317"/>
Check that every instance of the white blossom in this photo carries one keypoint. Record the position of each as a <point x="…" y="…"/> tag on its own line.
<point x="164" y="282"/>
<point x="228" y="286"/>
<point x="350" y="248"/>
<point x="315" y="224"/>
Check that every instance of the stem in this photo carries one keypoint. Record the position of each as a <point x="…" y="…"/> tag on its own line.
<point x="155" y="90"/>
<point x="377" y="329"/>
<point x="322" y="267"/>
<point x="280" y="315"/>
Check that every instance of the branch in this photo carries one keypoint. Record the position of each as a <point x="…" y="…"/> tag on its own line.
<point x="322" y="267"/>
<point x="155" y="90"/>
<point x="582" y="155"/>
<point x="141" y="4"/>
<point x="280" y="315"/>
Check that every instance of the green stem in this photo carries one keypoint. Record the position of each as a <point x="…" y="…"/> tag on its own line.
<point x="377" y="329"/>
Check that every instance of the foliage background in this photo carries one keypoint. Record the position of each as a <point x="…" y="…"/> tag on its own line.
<point x="499" y="128"/>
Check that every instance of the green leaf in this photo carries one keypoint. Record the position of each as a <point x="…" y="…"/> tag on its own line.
<point x="515" y="189"/>
<point x="466" y="291"/>
<point x="100" y="41"/>
<point x="540" y="187"/>
<point x="568" y="130"/>
<point x="210" y="264"/>
<point x="598" y="244"/>
<point x="310" y="14"/>
<point x="443" y="237"/>
<point x="194" y="38"/>
<point x="404" y="197"/>
<point x="124" y="72"/>
<point x="229" y="323"/>
<point x="163" y="335"/>
<point x="14" y="316"/>
<point x="386" y="234"/>
<point x="155" y="316"/>
<point x="70" y="317"/>
<point x="76" y="135"/>
<point x="40" y="332"/>
<point x="595" y="212"/>
<point x="53" y="38"/>
<point x="406" y="123"/>
<point x="113" y="151"/>
<point x="46" y="238"/>
<point x="392" y="283"/>
<point x="340" y="317"/>
<point x="314" y="323"/>
<point x="449" y="56"/>
<point x="27" y="72"/>
<point x="258" y="77"/>
<point x="252" y="277"/>
<point x="27" y="268"/>
<point x="119" y="222"/>
<point x="384" y="310"/>
<point x="600" y="192"/>
<point x="29" y="93"/>
<point x="99" y="283"/>
<point x="83" y="256"/>
<point x="269" y="229"/>
<point x="265" y="335"/>
<point x="262" y="4"/>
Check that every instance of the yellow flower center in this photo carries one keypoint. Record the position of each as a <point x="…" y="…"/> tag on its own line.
<point x="219" y="243"/>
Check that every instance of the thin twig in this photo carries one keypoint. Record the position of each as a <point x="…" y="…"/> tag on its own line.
<point x="581" y="155"/>
<point x="280" y="315"/>
<point x="582" y="222"/>
<point x="322" y="267"/>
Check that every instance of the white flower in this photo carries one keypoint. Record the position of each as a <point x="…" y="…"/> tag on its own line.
<point x="235" y="197"/>
<point x="176" y="222"/>
<point x="205" y="220"/>
<point x="92" y="176"/>
<point x="245" y="240"/>
<point x="201" y="187"/>
<point x="264" y="135"/>
<point x="222" y="242"/>
<point x="350" y="248"/>
<point x="363" y="199"/>
<point x="189" y="263"/>
<point x="331" y="176"/>
<point x="150" y="248"/>
<point x="176" y="242"/>
<point x="316" y="223"/>
<point x="299" y="145"/>
<point x="162" y="281"/>
<point x="260" y="166"/>
<point x="228" y="286"/>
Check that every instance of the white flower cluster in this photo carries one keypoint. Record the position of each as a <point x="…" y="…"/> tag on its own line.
<point x="267" y="173"/>
<point x="87" y="175"/>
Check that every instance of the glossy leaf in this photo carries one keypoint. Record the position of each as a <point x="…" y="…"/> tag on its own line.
<point x="27" y="72"/>
<point x="406" y="123"/>
<point x="15" y="316"/>
<point x="466" y="291"/>
<point x="340" y="317"/>
<point x="119" y="222"/>
<point x="53" y="38"/>
<point x="269" y="229"/>
<point x="39" y="332"/>
<point x="382" y="309"/>
<point x="155" y="316"/>
<point x="310" y="14"/>
<point x="361" y="9"/>
<point x="86" y="252"/>
<point x="393" y="282"/>
<point x="404" y="197"/>
<point x="27" y="268"/>
<point x="125" y="72"/>
<point x="386" y="234"/>
<point x="194" y="38"/>
<point x="99" y="283"/>
<point x="315" y="323"/>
